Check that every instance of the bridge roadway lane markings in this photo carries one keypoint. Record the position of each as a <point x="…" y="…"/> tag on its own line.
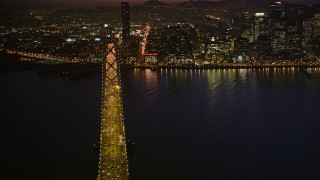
<point x="111" y="117"/>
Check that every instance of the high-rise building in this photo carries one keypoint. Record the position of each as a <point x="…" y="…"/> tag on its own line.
<point x="125" y="19"/>
<point x="307" y="32"/>
<point x="263" y="47"/>
<point x="277" y="27"/>
<point x="316" y="21"/>
<point x="296" y="17"/>
<point x="276" y="10"/>
<point x="294" y="37"/>
<point x="315" y="41"/>
<point x="219" y="50"/>
<point x="259" y="26"/>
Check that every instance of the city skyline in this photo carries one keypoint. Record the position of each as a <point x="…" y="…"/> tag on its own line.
<point x="200" y="36"/>
<point x="193" y="90"/>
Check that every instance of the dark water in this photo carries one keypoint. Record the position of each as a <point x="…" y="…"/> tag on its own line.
<point x="186" y="124"/>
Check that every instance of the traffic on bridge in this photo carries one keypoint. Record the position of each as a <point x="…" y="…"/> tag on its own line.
<point x="113" y="156"/>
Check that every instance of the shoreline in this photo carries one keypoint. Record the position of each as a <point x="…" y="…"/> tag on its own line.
<point x="16" y="58"/>
<point x="227" y="67"/>
<point x="85" y="69"/>
<point x="14" y="63"/>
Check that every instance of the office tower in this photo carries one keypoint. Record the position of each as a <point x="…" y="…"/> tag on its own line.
<point x="294" y="37"/>
<point x="316" y="21"/>
<point x="277" y="27"/>
<point x="276" y="10"/>
<point x="263" y="47"/>
<point x="219" y="49"/>
<point x="259" y="26"/>
<point x="307" y="32"/>
<point x="315" y="40"/>
<point x="298" y="29"/>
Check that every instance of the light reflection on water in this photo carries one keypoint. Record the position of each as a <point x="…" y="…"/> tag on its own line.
<point x="224" y="124"/>
<point x="186" y="124"/>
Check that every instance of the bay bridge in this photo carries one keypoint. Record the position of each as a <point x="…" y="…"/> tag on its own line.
<point x="113" y="162"/>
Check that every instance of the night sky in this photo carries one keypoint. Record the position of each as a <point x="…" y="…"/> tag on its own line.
<point x="95" y="3"/>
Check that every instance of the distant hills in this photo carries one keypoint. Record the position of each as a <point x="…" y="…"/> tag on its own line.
<point x="210" y="2"/>
<point x="6" y="5"/>
<point x="190" y="2"/>
<point x="154" y="3"/>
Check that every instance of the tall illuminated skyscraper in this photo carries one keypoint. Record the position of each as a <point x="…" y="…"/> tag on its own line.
<point x="277" y="27"/>
<point x="259" y="26"/>
<point x="316" y="22"/>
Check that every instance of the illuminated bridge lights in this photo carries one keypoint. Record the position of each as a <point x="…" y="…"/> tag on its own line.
<point x="113" y="156"/>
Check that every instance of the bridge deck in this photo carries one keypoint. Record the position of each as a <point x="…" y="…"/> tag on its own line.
<point x="113" y="155"/>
